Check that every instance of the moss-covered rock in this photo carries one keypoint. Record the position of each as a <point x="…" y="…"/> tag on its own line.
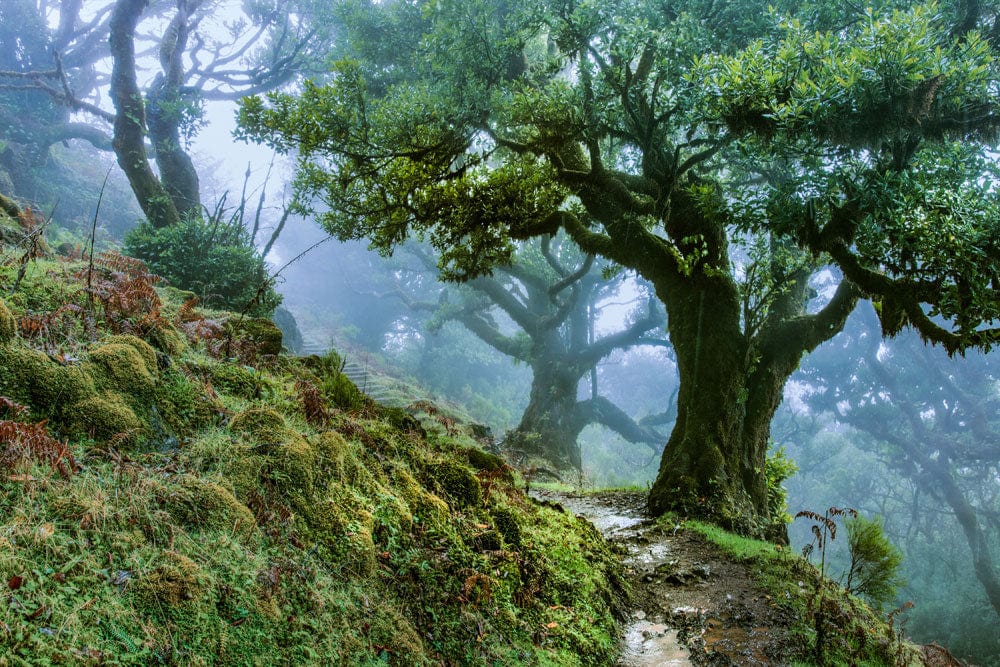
<point x="144" y="349"/>
<point x="46" y="386"/>
<point x="259" y="332"/>
<point x="168" y="340"/>
<point x="174" y="581"/>
<point x="237" y="380"/>
<point x="104" y="417"/>
<point x="506" y="522"/>
<point x="293" y="468"/>
<point x="208" y="506"/>
<point x="120" y="368"/>
<point x="425" y="507"/>
<point x="259" y="423"/>
<point x="8" y="324"/>
<point x="457" y="482"/>
<point x="484" y="461"/>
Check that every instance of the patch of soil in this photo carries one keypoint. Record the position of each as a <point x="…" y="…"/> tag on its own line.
<point x="692" y="604"/>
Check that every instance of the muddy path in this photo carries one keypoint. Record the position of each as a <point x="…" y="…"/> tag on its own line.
<point x="692" y="605"/>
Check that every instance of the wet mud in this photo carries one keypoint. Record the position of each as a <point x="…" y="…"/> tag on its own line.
<point x="692" y="605"/>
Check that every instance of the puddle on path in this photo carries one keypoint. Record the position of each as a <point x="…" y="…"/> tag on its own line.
<point x="646" y="642"/>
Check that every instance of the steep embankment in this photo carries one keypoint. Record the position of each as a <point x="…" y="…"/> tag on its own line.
<point x="194" y="497"/>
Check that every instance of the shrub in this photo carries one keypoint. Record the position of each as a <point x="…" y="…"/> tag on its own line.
<point x="874" y="570"/>
<point x="215" y="259"/>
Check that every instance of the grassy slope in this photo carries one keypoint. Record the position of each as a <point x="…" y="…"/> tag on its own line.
<point x="218" y="526"/>
<point x="853" y="633"/>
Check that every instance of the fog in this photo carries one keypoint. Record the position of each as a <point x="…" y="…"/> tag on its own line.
<point x="888" y="426"/>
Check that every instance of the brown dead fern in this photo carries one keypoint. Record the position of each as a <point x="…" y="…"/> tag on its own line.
<point x="22" y="442"/>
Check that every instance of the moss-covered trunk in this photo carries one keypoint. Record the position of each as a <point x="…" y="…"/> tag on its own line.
<point x="713" y="464"/>
<point x="549" y="426"/>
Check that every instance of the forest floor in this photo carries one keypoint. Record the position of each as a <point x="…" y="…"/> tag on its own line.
<point x="692" y="605"/>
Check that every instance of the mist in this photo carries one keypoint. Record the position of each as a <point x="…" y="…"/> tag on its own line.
<point x="579" y="359"/>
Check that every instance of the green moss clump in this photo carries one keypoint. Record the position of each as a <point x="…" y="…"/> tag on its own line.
<point x="401" y="419"/>
<point x="294" y="468"/>
<point x="209" y="506"/>
<point x="457" y="482"/>
<point x="484" y="461"/>
<point x="8" y="324"/>
<point x="46" y="386"/>
<point x="120" y="368"/>
<point x="104" y="417"/>
<point x="344" y="531"/>
<point x="507" y="525"/>
<point x="260" y="423"/>
<point x="426" y="508"/>
<point x="169" y="340"/>
<point x="176" y="580"/>
<point x="144" y="349"/>
<point x="260" y="332"/>
<point x="237" y="380"/>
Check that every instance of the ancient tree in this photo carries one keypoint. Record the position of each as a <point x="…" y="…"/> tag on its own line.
<point x="541" y="311"/>
<point x="658" y="136"/>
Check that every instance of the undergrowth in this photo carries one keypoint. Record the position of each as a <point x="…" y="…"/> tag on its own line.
<point x="831" y="626"/>
<point x="192" y="502"/>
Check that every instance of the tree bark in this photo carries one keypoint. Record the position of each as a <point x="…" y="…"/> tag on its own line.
<point x="549" y="428"/>
<point x="179" y="177"/>
<point x="164" y="114"/>
<point x="732" y="376"/>
<point x="129" y="132"/>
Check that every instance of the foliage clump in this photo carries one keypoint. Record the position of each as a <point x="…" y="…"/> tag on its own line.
<point x="875" y="561"/>
<point x="212" y="258"/>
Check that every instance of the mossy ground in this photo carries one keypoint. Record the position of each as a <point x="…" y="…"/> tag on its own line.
<point x="210" y="523"/>
<point x="854" y="633"/>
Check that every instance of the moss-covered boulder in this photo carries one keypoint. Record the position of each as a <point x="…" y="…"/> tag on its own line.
<point x="45" y="385"/>
<point x="209" y="506"/>
<point x="168" y="340"/>
<point x="237" y="380"/>
<point x="486" y="462"/>
<point x="8" y="324"/>
<point x="425" y="507"/>
<point x="260" y="333"/>
<point x="457" y="482"/>
<point x="104" y="417"/>
<point x="293" y="468"/>
<point x="506" y="522"/>
<point x="119" y="367"/>
<point x="144" y="349"/>
<point x="259" y="423"/>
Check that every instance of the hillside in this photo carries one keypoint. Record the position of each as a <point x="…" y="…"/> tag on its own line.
<point x="173" y="490"/>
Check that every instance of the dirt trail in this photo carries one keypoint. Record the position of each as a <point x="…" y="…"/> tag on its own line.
<point x="693" y="606"/>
